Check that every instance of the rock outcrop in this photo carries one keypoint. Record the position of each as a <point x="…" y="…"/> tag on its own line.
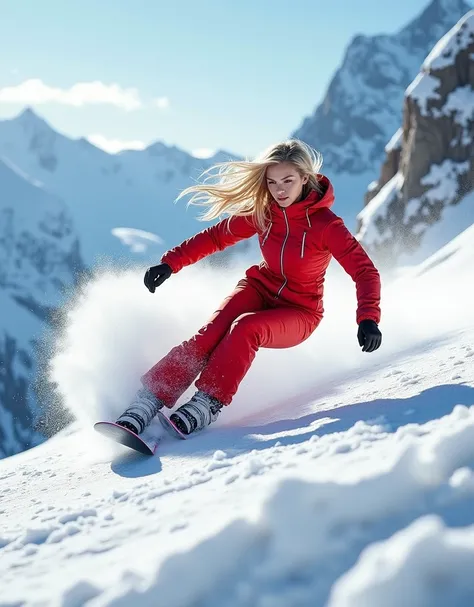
<point x="429" y="162"/>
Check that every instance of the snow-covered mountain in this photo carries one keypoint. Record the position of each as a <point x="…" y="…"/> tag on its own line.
<point x="39" y="260"/>
<point x="357" y="491"/>
<point x="66" y="205"/>
<point x="362" y="108"/>
<point x="423" y="196"/>
<point x="123" y="204"/>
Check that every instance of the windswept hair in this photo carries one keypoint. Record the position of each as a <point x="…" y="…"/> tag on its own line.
<point x="239" y="187"/>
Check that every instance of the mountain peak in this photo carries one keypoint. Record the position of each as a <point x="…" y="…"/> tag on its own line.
<point x="29" y="114"/>
<point x="437" y="18"/>
<point x="29" y="120"/>
<point x="157" y="148"/>
<point x="450" y="5"/>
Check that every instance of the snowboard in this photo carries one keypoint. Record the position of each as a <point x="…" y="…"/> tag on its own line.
<point x="170" y="427"/>
<point x="126" y="437"/>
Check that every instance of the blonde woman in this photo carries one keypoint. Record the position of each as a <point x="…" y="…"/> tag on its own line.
<point x="283" y="199"/>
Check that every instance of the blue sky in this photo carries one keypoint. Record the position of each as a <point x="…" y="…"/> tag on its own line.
<point x="198" y="74"/>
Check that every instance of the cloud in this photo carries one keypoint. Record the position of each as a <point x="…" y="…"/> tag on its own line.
<point x="35" y="91"/>
<point x="138" y="241"/>
<point x="161" y="102"/>
<point x="113" y="146"/>
<point x="203" y="153"/>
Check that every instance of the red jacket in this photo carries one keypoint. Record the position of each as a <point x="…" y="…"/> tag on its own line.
<point x="297" y="247"/>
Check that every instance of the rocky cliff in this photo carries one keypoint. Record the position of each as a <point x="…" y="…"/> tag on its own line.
<point x="428" y="168"/>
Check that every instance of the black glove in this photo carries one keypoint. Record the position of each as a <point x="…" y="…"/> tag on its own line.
<point x="369" y="335"/>
<point x="156" y="275"/>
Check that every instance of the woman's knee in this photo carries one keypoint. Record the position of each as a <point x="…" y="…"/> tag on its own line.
<point x="247" y="326"/>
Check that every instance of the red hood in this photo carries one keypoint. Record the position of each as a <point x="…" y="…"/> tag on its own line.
<point x="313" y="201"/>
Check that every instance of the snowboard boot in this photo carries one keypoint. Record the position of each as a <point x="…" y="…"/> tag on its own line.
<point x="196" y="414"/>
<point x="141" y="411"/>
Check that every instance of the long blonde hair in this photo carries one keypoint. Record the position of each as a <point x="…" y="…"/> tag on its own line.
<point x="239" y="187"/>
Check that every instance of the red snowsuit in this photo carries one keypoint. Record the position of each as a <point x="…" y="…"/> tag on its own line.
<point x="277" y="305"/>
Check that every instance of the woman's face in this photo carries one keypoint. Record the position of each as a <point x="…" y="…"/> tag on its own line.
<point x="285" y="183"/>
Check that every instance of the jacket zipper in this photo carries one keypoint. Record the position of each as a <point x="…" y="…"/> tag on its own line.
<point x="302" y="245"/>
<point x="281" y="255"/>
<point x="304" y="233"/>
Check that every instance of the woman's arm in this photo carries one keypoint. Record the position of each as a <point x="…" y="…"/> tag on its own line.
<point x="355" y="261"/>
<point x="216" y="238"/>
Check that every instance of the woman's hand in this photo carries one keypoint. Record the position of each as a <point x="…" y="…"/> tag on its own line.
<point x="156" y="275"/>
<point x="369" y="335"/>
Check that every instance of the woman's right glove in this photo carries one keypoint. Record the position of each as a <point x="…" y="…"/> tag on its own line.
<point x="156" y="275"/>
<point x="369" y="335"/>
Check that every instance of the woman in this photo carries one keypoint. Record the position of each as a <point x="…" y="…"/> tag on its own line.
<point x="283" y="199"/>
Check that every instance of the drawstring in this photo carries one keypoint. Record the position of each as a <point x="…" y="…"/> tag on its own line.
<point x="267" y="233"/>
<point x="307" y="217"/>
<point x="302" y="245"/>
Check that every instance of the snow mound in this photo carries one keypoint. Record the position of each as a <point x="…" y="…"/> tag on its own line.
<point x="425" y="564"/>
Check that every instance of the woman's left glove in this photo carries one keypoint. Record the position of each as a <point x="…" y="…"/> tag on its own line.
<point x="369" y="335"/>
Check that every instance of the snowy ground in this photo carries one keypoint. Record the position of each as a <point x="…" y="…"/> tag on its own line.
<point x="350" y="483"/>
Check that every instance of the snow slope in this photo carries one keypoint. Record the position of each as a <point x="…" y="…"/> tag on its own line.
<point x="335" y="478"/>
<point x="453" y="219"/>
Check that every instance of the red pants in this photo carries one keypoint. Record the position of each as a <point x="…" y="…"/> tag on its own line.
<point x="223" y="350"/>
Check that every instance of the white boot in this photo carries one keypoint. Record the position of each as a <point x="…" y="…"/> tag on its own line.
<point x="196" y="414"/>
<point x="141" y="411"/>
